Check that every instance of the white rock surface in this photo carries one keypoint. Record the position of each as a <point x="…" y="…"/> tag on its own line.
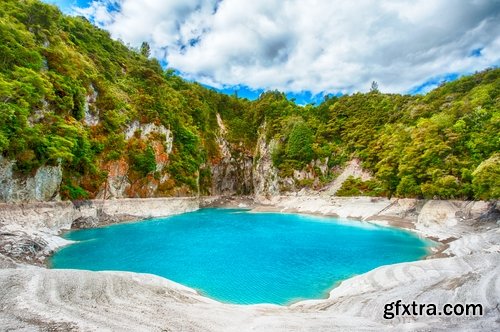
<point x="91" y="113"/>
<point x="115" y="301"/>
<point x="45" y="220"/>
<point x="265" y="174"/>
<point x="343" y="207"/>
<point x="149" y="207"/>
<point x="148" y="128"/>
<point x="232" y="172"/>
<point x="41" y="299"/>
<point x="43" y="186"/>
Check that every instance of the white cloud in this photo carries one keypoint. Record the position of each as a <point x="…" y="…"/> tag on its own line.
<point x="99" y="11"/>
<point x="318" y="45"/>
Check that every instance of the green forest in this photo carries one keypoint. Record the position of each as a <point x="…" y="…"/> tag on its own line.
<point x="443" y="144"/>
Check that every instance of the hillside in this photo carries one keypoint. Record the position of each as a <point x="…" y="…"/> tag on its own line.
<point x="85" y="116"/>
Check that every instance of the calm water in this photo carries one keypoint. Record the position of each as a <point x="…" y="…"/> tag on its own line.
<point x="240" y="257"/>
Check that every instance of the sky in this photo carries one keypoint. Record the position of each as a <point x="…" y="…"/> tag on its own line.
<point x="307" y="49"/>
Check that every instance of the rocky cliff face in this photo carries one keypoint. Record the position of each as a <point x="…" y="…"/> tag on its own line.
<point x="265" y="174"/>
<point x="91" y="113"/>
<point x="42" y="186"/>
<point x="121" y="184"/>
<point x="117" y="181"/>
<point x="146" y="130"/>
<point x="232" y="172"/>
<point x="235" y="171"/>
<point x="267" y="180"/>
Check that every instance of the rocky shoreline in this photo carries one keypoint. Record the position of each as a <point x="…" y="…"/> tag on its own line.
<point x="465" y="270"/>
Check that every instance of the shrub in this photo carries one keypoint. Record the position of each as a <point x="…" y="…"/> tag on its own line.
<point x="300" y="142"/>
<point x="143" y="162"/>
<point x="486" y="179"/>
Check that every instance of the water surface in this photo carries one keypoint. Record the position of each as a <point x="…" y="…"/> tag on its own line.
<point x="242" y="257"/>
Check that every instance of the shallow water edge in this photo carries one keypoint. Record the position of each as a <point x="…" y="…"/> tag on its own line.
<point x="267" y="252"/>
<point x="434" y="220"/>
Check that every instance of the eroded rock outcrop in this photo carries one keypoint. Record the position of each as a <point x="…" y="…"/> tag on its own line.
<point x="269" y="182"/>
<point x="29" y="231"/>
<point x="147" y="129"/>
<point x="91" y="113"/>
<point x="117" y="182"/>
<point x="265" y="174"/>
<point x="120" y="183"/>
<point x="231" y="173"/>
<point x="42" y="186"/>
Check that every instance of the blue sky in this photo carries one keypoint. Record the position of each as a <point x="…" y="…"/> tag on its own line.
<point x="334" y="47"/>
<point x="301" y="98"/>
<point x="67" y="5"/>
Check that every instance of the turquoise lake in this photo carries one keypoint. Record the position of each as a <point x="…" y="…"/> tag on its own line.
<point x="240" y="257"/>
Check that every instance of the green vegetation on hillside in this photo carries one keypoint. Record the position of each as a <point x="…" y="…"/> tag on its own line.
<point x="50" y="63"/>
<point x="441" y="145"/>
<point x="444" y="144"/>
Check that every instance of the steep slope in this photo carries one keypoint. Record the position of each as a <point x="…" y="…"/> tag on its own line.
<point x="111" y="119"/>
<point x="441" y="145"/>
<point x="85" y="116"/>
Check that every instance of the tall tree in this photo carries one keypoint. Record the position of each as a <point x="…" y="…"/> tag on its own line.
<point x="145" y="49"/>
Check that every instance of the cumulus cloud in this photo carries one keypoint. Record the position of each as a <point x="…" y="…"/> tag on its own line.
<point x="318" y="45"/>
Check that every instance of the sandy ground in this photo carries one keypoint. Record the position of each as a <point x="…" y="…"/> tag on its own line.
<point x="38" y="299"/>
